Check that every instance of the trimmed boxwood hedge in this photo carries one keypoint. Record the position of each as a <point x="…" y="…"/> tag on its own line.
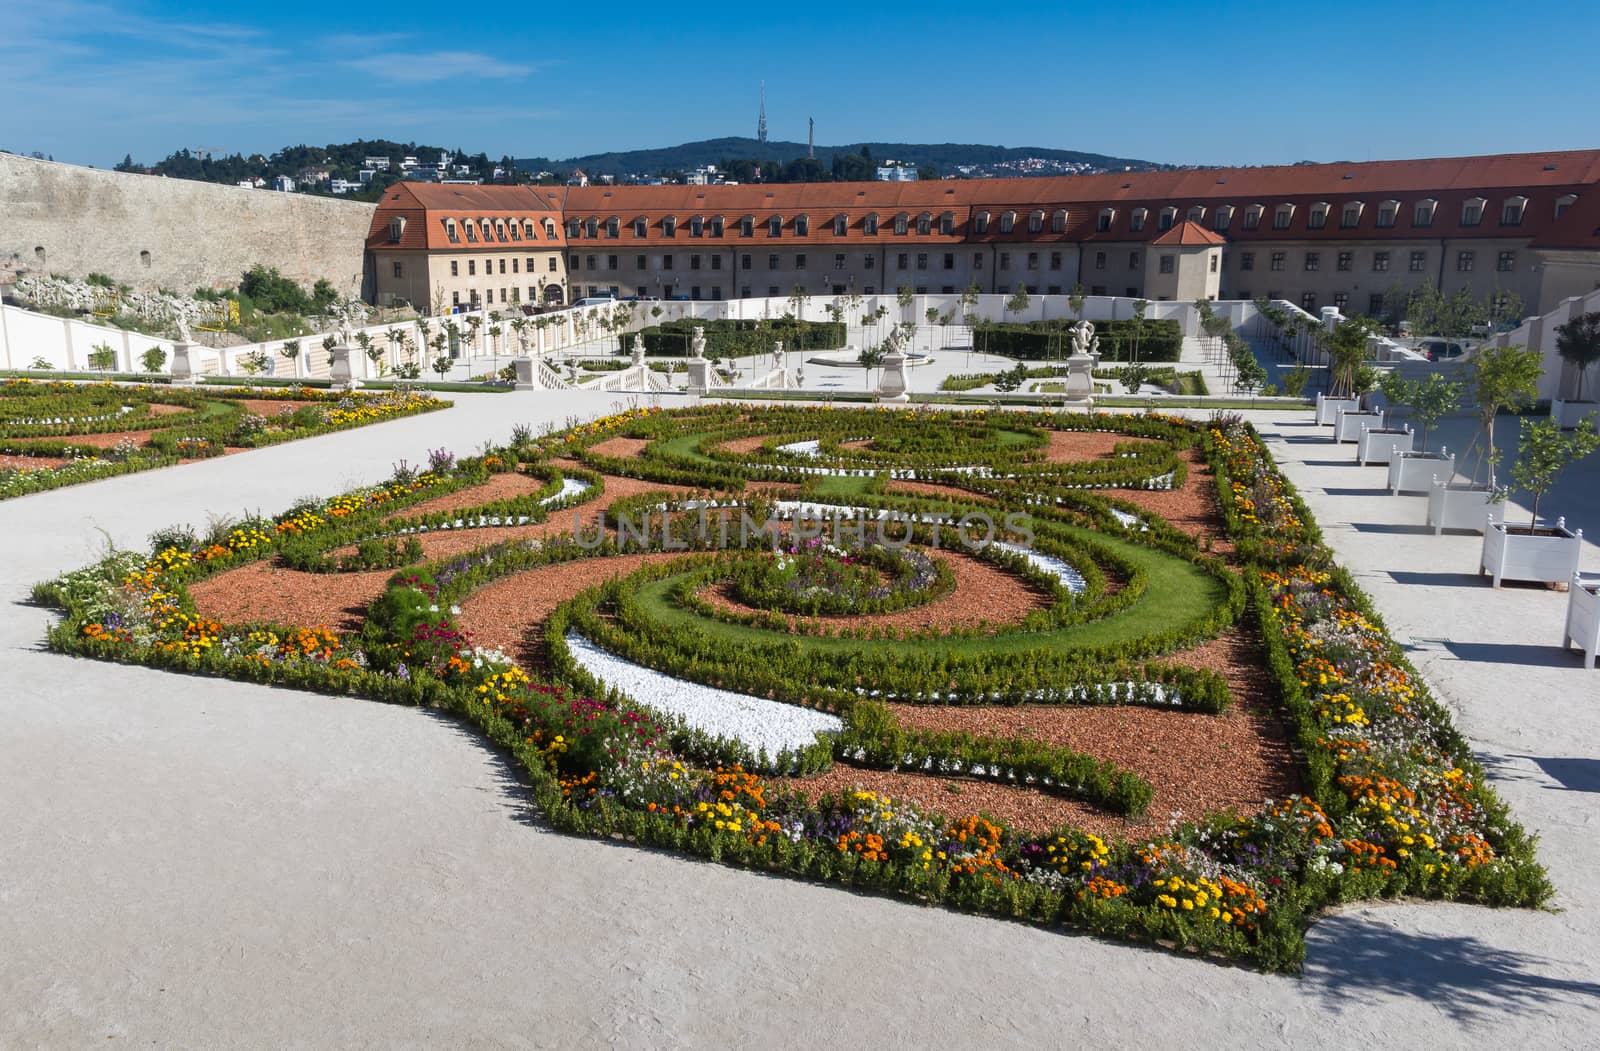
<point x="736" y="338"/>
<point x="1036" y="340"/>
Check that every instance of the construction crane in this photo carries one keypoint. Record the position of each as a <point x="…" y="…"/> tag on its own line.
<point x="205" y="151"/>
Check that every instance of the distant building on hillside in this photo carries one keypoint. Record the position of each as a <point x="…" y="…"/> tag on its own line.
<point x="577" y="178"/>
<point x="283" y="183"/>
<point x="377" y="163"/>
<point x="343" y="186"/>
<point x="892" y="172"/>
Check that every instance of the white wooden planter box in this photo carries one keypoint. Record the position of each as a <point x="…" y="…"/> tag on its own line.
<point x="1570" y="414"/>
<point x="1411" y="472"/>
<point x="1583" y="617"/>
<point x="1459" y="506"/>
<point x="1379" y="445"/>
<point x="1328" y="409"/>
<point x="1509" y="555"/>
<point x="1348" y="426"/>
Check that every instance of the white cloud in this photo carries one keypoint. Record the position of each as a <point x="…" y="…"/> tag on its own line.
<point x="424" y="67"/>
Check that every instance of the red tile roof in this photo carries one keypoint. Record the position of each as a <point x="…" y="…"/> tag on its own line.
<point x="1189" y="234"/>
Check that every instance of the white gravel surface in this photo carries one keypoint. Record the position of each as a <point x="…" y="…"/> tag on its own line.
<point x="755" y="721"/>
<point x="1056" y="567"/>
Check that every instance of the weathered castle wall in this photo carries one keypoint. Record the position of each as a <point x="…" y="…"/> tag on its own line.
<point x="171" y="233"/>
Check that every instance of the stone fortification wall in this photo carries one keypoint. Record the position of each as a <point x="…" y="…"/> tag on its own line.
<point x="152" y="232"/>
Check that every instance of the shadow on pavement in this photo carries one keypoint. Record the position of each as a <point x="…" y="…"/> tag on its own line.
<point x="1573" y="774"/>
<point x="1439" y="580"/>
<point x="1352" y="462"/>
<point x="1346" y="491"/>
<point x="1456" y="974"/>
<point x="1395" y="528"/>
<point x="1551" y="656"/>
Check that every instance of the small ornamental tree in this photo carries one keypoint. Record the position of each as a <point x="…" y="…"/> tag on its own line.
<point x="1544" y="450"/>
<point x="1133" y="377"/>
<point x="1431" y="400"/>
<point x="441" y="365"/>
<point x="1501" y="379"/>
<point x="870" y="358"/>
<point x="102" y="357"/>
<point x="1076" y="300"/>
<point x="1578" y="343"/>
<point x="1011" y="379"/>
<point x="153" y="359"/>
<point x="1018" y="301"/>
<point x="1347" y="348"/>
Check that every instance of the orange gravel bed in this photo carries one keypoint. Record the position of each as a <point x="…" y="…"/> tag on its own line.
<point x="1192" y="508"/>
<point x="502" y="614"/>
<point x="261" y="591"/>
<point x="29" y="463"/>
<point x="1196" y="763"/>
<point x="620" y="447"/>
<point x="983" y="593"/>
<point x="498" y="487"/>
<point x="1070" y="446"/>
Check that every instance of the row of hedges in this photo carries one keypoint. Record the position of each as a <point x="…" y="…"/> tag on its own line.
<point x="736" y="338"/>
<point x="1157" y="340"/>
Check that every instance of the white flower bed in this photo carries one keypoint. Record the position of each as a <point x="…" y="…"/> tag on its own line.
<point x="754" y="721"/>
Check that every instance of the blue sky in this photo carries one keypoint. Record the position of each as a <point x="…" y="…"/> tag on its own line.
<point x="1217" y="83"/>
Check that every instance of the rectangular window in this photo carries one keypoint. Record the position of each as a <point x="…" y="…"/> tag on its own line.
<point x="1215" y="259"/>
<point x="744" y="263"/>
<point x="552" y="266"/>
<point x="1278" y="259"/>
<point x="588" y="262"/>
<point x="641" y="291"/>
<point x="1281" y="217"/>
<point x="1345" y="261"/>
<point x="1133" y="260"/>
<point x="1252" y="218"/>
<point x="977" y="260"/>
<point x="1136" y="221"/>
<point x="611" y="263"/>
<point x="1380" y="262"/>
<point x="694" y="293"/>
<point x="716" y="290"/>
<point x="922" y="260"/>
<point x="1033" y="260"/>
<point x="1005" y="260"/>
<point x="1099" y="260"/>
<point x="455" y="268"/>
<point x="838" y="260"/>
<point x="716" y="262"/>
<point x="772" y="290"/>
<point x="947" y="224"/>
<point x="514" y="262"/>
<point x="869" y="226"/>
<point x="802" y="226"/>
<point x="744" y="291"/>
<point x="1313" y="261"/>
<point x="455" y="299"/>
<point x="472" y="266"/>
<point x="1168" y="264"/>
<point x="1418" y="262"/>
<point x="399" y="269"/>
<point x="533" y="293"/>
<point x="694" y="262"/>
<point x="800" y="262"/>
<point x="1340" y="301"/>
<point x="949" y="260"/>
<point x="772" y="261"/>
<point x="1103" y="223"/>
<point x="472" y="233"/>
<point x="747" y="227"/>
<point x="1375" y="304"/>
<point x="641" y="262"/>
<point x="902" y="261"/>
<point x="1097" y="290"/>
<point x="1505" y="262"/>
<point x="1308" y="302"/>
<point x="1055" y="260"/>
<point x="1465" y="261"/>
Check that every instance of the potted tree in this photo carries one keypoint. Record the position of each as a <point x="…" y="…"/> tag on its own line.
<point x="1428" y="401"/>
<point x="1547" y="554"/>
<point x="1500" y="379"/>
<point x="1578" y="343"/>
<point x="1378" y="445"/>
<point x="1583" y="617"/>
<point x="1347" y="348"/>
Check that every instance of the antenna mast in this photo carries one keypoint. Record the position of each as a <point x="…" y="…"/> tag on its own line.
<point x="761" y="124"/>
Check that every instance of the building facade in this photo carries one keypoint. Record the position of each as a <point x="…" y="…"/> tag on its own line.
<point x="1355" y="236"/>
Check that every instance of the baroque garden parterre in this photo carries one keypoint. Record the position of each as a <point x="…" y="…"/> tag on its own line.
<point x="1041" y="649"/>
<point x="57" y="433"/>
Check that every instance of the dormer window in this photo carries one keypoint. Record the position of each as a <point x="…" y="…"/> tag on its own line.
<point x="669" y="226"/>
<point x="1222" y="217"/>
<point x="1008" y="222"/>
<point x="1317" y="216"/>
<point x="716" y="226"/>
<point x="500" y="230"/>
<point x="1512" y="209"/>
<point x="1283" y="216"/>
<point x="641" y="226"/>
<point x="1103" y="221"/>
<point x="591" y="227"/>
<point x="1388" y="211"/>
<point x="924" y="224"/>
<point x="451" y="233"/>
<point x="802" y="226"/>
<point x="775" y="226"/>
<point x="550" y="229"/>
<point x="1564" y="202"/>
<point x="516" y="231"/>
<point x="1136" y="219"/>
<point x="613" y="227"/>
<point x="528" y="230"/>
<point x="472" y="230"/>
<point x="1168" y="216"/>
<point x="488" y="231"/>
<point x="747" y="226"/>
<point x="1252" y="216"/>
<point x="397" y="226"/>
<point x="980" y="223"/>
<point x="1196" y="214"/>
<point x="1058" y="221"/>
<point x="841" y="224"/>
<point x="1422" y="214"/>
<point x="902" y="223"/>
<point x="697" y="226"/>
<point x="1036" y="221"/>
<point x="947" y="223"/>
<point x="869" y="225"/>
<point x="1472" y="211"/>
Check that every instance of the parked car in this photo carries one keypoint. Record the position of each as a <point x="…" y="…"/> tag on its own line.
<point x="1441" y="349"/>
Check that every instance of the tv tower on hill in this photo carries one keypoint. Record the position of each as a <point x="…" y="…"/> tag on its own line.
<point x="761" y="123"/>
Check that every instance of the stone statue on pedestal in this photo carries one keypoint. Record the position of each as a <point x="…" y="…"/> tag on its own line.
<point x="697" y="344"/>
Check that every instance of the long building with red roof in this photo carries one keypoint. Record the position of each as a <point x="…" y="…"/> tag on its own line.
<point x="1348" y="235"/>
